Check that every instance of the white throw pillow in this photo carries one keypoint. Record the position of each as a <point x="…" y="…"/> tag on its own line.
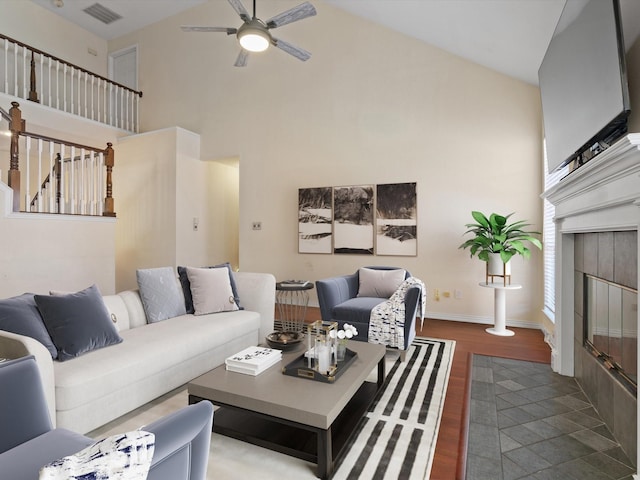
<point x="379" y="283"/>
<point x="211" y="290"/>
<point x="126" y="456"/>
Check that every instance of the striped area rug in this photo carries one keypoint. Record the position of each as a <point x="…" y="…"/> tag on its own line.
<point x="397" y="437"/>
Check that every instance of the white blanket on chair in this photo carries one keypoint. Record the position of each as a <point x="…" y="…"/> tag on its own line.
<point x="386" y="323"/>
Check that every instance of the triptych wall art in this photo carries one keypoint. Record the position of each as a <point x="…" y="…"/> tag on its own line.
<point x="360" y="219"/>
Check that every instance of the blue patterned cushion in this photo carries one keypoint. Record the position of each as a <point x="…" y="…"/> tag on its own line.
<point x="160" y="293"/>
<point x="119" y="457"/>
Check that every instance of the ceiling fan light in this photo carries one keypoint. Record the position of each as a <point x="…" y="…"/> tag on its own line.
<point x="254" y="40"/>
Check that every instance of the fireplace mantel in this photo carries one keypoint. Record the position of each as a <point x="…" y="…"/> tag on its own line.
<point x="602" y="195"/>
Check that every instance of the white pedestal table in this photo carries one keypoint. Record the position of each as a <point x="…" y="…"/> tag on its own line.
<point x="499" y="308"/>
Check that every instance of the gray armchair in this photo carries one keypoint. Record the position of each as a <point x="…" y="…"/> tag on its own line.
<point x="339" y="301"/>
<point x="28" y="441"/>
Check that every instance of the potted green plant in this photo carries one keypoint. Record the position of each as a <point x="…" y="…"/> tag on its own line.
<point x="495" y="240"/>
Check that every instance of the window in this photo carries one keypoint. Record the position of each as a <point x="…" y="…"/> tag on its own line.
<point x="549" y="240"/>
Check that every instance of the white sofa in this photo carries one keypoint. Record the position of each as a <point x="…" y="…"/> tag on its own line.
<point x="90" y="390"/>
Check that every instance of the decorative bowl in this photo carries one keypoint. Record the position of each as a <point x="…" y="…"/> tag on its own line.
<point x="284" y="340"/>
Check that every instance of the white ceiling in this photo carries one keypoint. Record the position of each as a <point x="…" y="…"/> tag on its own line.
<point x="509" y="36"/>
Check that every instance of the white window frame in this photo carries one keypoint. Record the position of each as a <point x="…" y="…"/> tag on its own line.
<point x="549" y="239"/>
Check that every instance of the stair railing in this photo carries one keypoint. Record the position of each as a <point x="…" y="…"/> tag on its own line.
<point x="83" y="175"/>
<point x="40" y="77"/>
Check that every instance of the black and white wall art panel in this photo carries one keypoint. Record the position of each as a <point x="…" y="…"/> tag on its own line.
<point x="353" y="219"/>
<point x="315" y="217"/>
<point x="396" y="219"/>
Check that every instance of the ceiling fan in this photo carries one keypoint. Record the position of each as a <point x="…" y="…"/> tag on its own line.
<point x="254" y="34"/>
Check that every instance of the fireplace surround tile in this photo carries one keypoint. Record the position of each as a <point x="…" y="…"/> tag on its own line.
<point x="605" y="255"/>
<point x="590" y="253"/>
<point x="626" y="258"/>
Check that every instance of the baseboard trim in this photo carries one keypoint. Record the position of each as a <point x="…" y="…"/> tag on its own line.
<point x="481" y="320"/>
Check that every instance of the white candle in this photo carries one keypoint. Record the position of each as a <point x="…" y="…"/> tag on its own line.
<point x="324" y="357"/>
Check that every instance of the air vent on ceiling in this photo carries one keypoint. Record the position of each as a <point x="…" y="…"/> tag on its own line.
<point x="102" y="13"/>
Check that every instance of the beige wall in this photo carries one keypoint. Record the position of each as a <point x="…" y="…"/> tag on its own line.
<point x="162" y="186"/>
<point x="39" y="253"/>
<point x="370" y="106"/>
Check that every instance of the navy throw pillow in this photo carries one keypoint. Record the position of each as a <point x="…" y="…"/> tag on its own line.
<point x="20" y="315"/>
<point x="78" y="322"/>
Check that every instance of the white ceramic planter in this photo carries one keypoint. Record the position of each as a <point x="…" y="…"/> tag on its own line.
<point x="496" y="266"/>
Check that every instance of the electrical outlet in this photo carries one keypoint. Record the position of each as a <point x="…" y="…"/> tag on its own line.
<point x="457" y="294"/>
<point x="257" y="225"/>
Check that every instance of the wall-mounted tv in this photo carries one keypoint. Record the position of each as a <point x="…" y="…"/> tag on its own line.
<point x="583" y="83"/>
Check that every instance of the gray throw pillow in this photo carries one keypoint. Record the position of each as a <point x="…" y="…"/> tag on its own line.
<point x="186" y="286"/>
<point x="379" y="283"/>
<point x="20" y="315"/>
<point x="78" y="322"/>
<point x="161" y="295"/>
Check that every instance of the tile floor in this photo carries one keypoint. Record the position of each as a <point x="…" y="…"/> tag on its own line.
<point x="527" y="422"/>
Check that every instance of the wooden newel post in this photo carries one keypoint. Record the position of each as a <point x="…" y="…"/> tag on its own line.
<point x="16" y="126"/>
<point x="109" y="161"/>
<point x="33" y="93"/>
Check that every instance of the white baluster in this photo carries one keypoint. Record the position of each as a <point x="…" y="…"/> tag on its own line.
<point x="137" y="97"/>
<point x="115" y="113"/>
<point x="50" y="101"/>
<point x="92" y="94"/>
<point x="127" y="110"/>
<point x="79" y="88"/>
<point x="15" y="69"/>
<point x="58" y="84"/>
<point x="63" y="197"/>
<point x="39" y="192"/>
<point x="73" y="73"/>
<point x="54" y="180"/>
<point x="104" y="111"/>
<point x="82" y="183"/>
<point x="6" y="64"/>
<point x="111" y="101"/>
<point x="27" y="195"/>
<point x="86" y="106"/>
<point x="25" y="91"/>
<point x="64" y="88"/>
<point x="102" y="192"/>
<point x="72" y="182"/>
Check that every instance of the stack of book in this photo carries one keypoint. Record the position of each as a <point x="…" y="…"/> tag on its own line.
<point x="253" y="360"/>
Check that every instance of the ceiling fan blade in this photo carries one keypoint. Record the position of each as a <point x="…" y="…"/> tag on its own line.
<point x="196" y="28"/>
<point x="297" y="52"/>
<point x="239" y="8"/>
<point x="243" y="56"/>
<point x="294" y="14"/>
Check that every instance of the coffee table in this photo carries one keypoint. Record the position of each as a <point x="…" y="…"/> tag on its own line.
<point x="300" y="417"/>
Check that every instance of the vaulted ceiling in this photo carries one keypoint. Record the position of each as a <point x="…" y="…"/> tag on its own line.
<point x="509" y="36"/>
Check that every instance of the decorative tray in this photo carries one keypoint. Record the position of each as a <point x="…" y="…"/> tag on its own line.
<point x="299" y="368"/>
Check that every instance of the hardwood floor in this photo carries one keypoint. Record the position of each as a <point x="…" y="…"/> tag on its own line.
<point x="527" y="344"/>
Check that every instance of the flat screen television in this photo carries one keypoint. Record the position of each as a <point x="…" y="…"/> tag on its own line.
<point x="583" y="83"/>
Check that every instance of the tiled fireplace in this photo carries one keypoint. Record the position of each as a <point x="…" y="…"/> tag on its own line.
<point x="597" y="221"/>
